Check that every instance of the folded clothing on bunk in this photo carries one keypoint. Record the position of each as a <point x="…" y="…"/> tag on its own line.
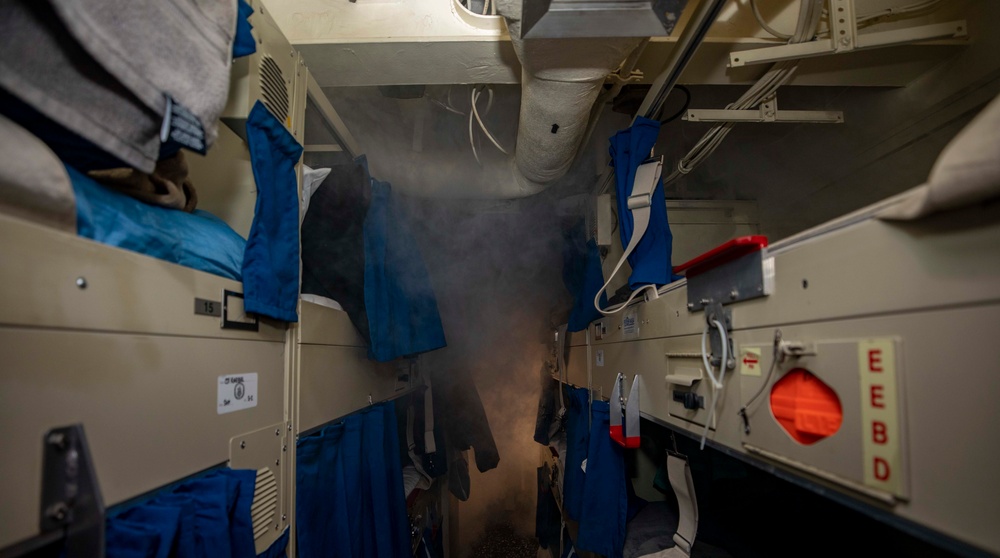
<point x="167" y="186"/>
<point x="115" y="71"/>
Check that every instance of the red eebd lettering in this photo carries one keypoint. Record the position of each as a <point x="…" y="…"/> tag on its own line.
<point x="879" y="434"/>
<point x="881" y="469"/>
<point x="875" y="360"/>
<point x="878" y="397"/>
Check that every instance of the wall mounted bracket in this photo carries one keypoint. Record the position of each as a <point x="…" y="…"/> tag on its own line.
<point x="766" y="112"/>
<point x="71" y="521"/>
<point x="844" y="37"/>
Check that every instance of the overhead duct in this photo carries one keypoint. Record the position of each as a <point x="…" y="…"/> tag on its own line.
<point x="560" y="82"/>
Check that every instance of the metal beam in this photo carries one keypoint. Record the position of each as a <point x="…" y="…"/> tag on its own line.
<point x="824" y="47"/>
<point x="322" y="148"/>
<point x="692" y="36"/>
<point x="332" y="119"/>
<point x="766" y="112"/>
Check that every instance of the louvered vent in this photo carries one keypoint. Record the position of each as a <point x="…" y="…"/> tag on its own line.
<point x="265" y="502"/>
<point x="274" y="90"/>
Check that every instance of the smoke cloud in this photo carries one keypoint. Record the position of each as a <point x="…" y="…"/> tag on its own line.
<point x="496" y="267"/>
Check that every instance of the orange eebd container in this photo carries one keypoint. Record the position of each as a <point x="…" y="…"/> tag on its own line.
<point x="807" y="408"/>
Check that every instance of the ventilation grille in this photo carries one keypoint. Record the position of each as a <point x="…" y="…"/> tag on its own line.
<point x="274" y="90"/>
<point x="265" y="502"/>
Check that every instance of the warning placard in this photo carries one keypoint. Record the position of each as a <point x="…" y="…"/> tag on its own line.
<point x="879" y="414"/>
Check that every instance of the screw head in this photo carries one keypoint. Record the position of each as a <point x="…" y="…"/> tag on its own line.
<point x="733" y="294"/>
<point x="81" y="282"/>
<point x="57" y="511"/>
<point x="243" y="445"/>
<point x="277" y="432"/>
<point x="690" y="306"/>
<point x="277" y="462"/>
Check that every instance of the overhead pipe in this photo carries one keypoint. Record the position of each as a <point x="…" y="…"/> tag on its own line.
<point x="560" y="81"/>
<point x="691" y="38"/>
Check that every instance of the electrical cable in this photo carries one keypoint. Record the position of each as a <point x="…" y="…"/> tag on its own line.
<point x="446" y="107"/>
<point x="472" y="140"/>
<point x="687" y="103"/>
<point x="777" y="75"/>
<point x="474" y="113"/>
<point x="716" y="383"/>
<point x="763" y="24"/>
<point x="767" y="380"/>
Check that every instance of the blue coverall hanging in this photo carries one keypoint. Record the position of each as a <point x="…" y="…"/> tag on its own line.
<point x="642" y="211"/>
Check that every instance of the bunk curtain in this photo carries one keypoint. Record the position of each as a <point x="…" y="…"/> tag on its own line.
<point x="271" y="259"/>
<point x="349" y="491"/>
<point x="650" y="261"/>
<point x="577" y="442"/>
<point x="358" y="249"/>
<point x="402" y="309"/>
<point x="605" y="501"/>
<point x="582" y="276"/>
<point x="204" y="517"/>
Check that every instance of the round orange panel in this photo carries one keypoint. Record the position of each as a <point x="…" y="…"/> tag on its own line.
<point x="807" y="408"/>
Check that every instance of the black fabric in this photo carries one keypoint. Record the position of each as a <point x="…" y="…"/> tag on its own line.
<point x="548" y="408"/>
<point x="548" y="520"/>
<point x="333" y="243"/>
<point x="459" y="483"/>
<point x="457" y="406"/>
<point x="70" y="147"/>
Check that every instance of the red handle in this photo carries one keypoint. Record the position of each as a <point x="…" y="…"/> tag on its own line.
<point x="732" y="250"/>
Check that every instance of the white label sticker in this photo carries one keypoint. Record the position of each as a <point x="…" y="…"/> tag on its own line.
<point x="237" y="392"/>
<point x="600" y="357"/>
<point x="630" y="324"/>
<point x="750" y="361"/>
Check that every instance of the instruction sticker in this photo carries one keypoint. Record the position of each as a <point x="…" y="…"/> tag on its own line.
<point x="600" y="357"/>
<point x="630" y="324"/>
<point x="237" y="392"/>
<point x="750" y="361"/>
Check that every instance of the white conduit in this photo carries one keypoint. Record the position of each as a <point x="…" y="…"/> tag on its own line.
<point x="560" y="82"/>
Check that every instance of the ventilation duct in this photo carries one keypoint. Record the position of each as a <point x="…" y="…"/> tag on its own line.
<point x="560" y="81"/>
